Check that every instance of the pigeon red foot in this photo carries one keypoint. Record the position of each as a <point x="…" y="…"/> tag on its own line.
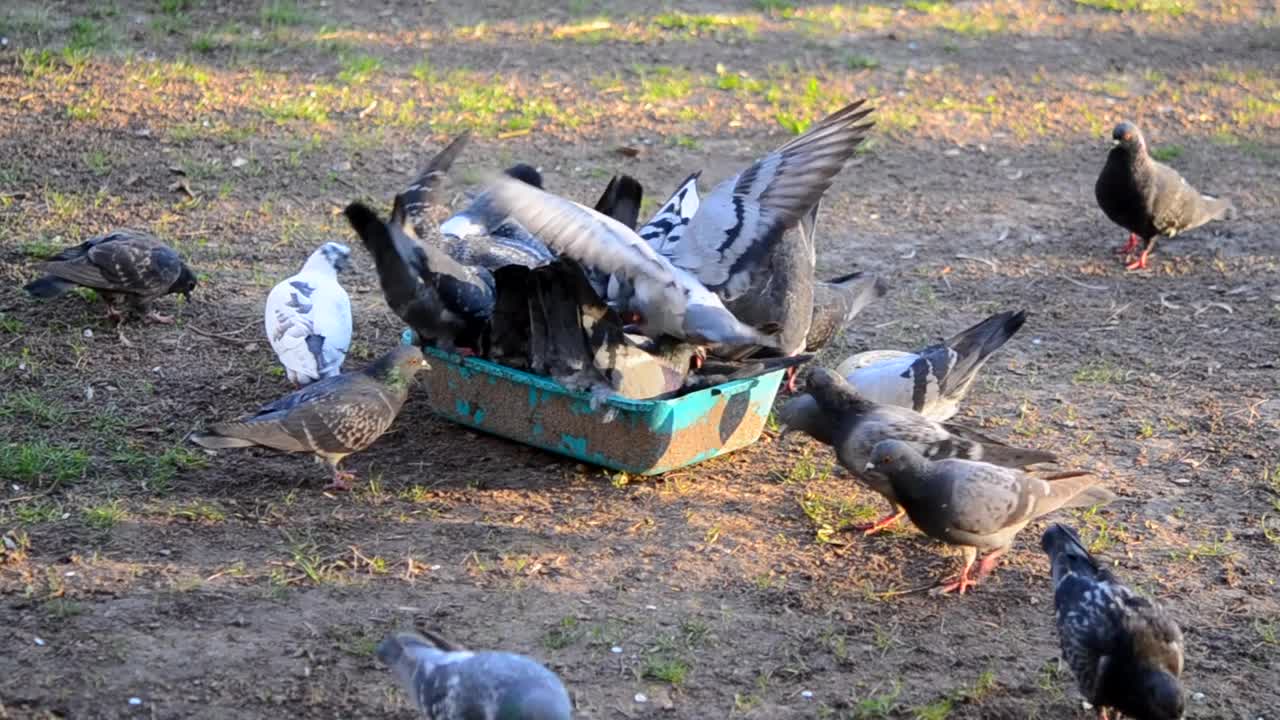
<point x="1140" y="263"/>
<point x="341" y="481"/>
<point x="1130" y="246"/>
<point x="791" y="380"/>
<point x="882" y="523"/>
<point x="964" y="582"/>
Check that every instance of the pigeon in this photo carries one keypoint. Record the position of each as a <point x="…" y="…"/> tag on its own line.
<point x="421" y="195"/>
<point x="308" y="317"/>
<point x="447" y="682"/>
<point x="1148" y="198"/>
<point x="1125" y="651"/>
<point x="934" y="380"/>
<point x="620" y="201"/>
<point x="330" y="418"/>
<point x="976" y="505"/>
<point x="663" y="231"/>
<point x="671" y="301"/>
<point x="836" y="302"/>
<point x="446" y="303"/>
<point x="123" y="264"/>
<point x="834" y="413"/>
<point x="482" y="235"/>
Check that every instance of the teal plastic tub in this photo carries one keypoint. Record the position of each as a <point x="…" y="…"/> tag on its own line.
<point x="645" y="437"/>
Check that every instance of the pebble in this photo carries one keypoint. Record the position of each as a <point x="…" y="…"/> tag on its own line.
<point x="615" y="650"/>
<point x="135" y="701"/>
<point x="88" y="333"/>
<point x="640" y="698"/>
<point x="239" y="162"/>
<point x="40" y="642"/>
<point x="1198" y="697"/>
<point x="806" y="694"/>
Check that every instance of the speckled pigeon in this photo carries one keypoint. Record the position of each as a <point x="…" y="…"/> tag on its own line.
<point x="1148" y="198"/>
<point x="447" y="682"/>
<point x="837" y="301"/>
<point x="1125" y="651"/>
<point x="670" y="300"/>
<point x="934" y="380"/>
<point x="123" y="264"/>
<point x="484" y="236"/>
<point x="834" y="413"/>
<point x="330" y="418"/>
<point x="976" y="505"/>
<point x="308" y="317"/>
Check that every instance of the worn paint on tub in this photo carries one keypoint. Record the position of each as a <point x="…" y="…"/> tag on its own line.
<point x="645" y="437"/>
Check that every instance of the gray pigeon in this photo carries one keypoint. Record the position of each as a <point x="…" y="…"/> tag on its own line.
<point x="1125" y="651"/>
<point x="836" y="302"/>
<point x="834" y="413"/>
<point x="123" y="264"/>
<point x="670" y="300"/>
<point x="447" y="682"/>
<point x="934" y="380"/>
<point x="663" y="232"/>
<point x="976" y="505"/>
<point x="330" y="418"/>
<point x="482" y="235"/>
<point x="1148" y="198"/>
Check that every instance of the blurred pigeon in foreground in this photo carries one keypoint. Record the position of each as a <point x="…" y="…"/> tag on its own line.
<point x="123" y="264"/>
<point x="449" y="683"/>
<point x="836" y="302"/>
<point x="330" y="418"/>
<point x="1125" y="651"/>
<point x="934" y="380"/>
<point x="834" y="413"/>
<point x="976" y="505"/>
<point x="482" y="235"/>
<point x="1148" y="198"/>
<point x="308" y="317"/>
<point x="670" y="300"/>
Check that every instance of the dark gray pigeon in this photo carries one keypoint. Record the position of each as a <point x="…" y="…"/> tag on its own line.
<point x="621" y="201"/>
<point x="121" y="265"/>
<point x="934" y="380"/>
<point x="834" y="413"/>
<point x="421" y="195"/>
<point x="976" y="505"/>
<point x="331" y="418"/>
<point x="484" y="236"/>
<point x="1125" y="651"/>
<point x="447" y="682"/>
<point x="670" y="300"/>
<point x="836" y="302"/>
<point x="1148" y="198"/>
<point x="446" y="303"/>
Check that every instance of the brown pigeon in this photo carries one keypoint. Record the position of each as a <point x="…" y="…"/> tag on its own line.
<point x="330" y="418"/>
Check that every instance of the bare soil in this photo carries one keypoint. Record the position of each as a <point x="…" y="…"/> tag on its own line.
<point x="229" y="585"/>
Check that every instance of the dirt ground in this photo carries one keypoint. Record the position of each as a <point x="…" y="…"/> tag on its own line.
<point x="142" y="577"/>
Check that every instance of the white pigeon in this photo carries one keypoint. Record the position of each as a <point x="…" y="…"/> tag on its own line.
<point x="308" y="317"/>
<point x="670" y="300"/>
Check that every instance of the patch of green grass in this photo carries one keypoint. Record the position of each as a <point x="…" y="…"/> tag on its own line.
<point x="61" y="608"/>
<point x="40" y="463"/>
<point x="696" y="24"/>
<point x="564" y="634"/>
<point x="83" y="111"/>
<point x="928" y="7"/>
<point x="1268" y="631"/>
<point x="1170" y="8"/>
<point x="89" y="34"/>
<point x="37" y="62"/>
<point x="277" y="13"/>
<point x="156" y="472"/>
<point x="936" y="710"/>
<point x="831" y="516"/>
<point x="660" y="83"/>
<point x="105" y="516"/>
<point x="37" y="511"/>
<point x="861" y="62"/>
<point x="305" y="108"/>
<point x="1167" y="153"/>
<point x="1099" y="373"/>
<point x="358" y="69"/>
<point x="776" y="7"/>
<point x="98" y="162"/>
<point x="200" y="512"/>
<point x="666" y="669"/>
<point x="792" y="123"/>
<point x="877" y="705"/>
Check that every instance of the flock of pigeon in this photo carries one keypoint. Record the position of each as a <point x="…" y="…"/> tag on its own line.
<point x="712" y="288"/>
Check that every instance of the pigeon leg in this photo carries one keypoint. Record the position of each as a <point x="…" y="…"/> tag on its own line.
<point x="1102" y="714"/>
<point x="160" y="318"/>
<point x="883" y="522"/>
<point x="1130" y="246"/>
<point x="120" y="334"/>
<point x="341" y="480"/>
<point x="791" y="379"/>
<point x="963" y="583"/>
<point x="1141" y="262"/>
<point x="989" y="562"/>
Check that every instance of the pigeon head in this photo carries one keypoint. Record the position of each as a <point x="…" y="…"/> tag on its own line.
<point x="890" y="457"/>
<point x="185" y="283"/>
<point x="1160" y="698"/>
<point x="399" y="365"/>
<point x="526" y="174"/>
<point x="802" y="413"/>
<point x="1128" y="136"/>
<point x="337" y="255"/>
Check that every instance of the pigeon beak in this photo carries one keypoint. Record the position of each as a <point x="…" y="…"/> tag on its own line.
<point x="871" y="465"/>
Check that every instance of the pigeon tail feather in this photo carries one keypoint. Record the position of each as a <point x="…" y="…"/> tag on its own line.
<point x="48" y="286"/>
